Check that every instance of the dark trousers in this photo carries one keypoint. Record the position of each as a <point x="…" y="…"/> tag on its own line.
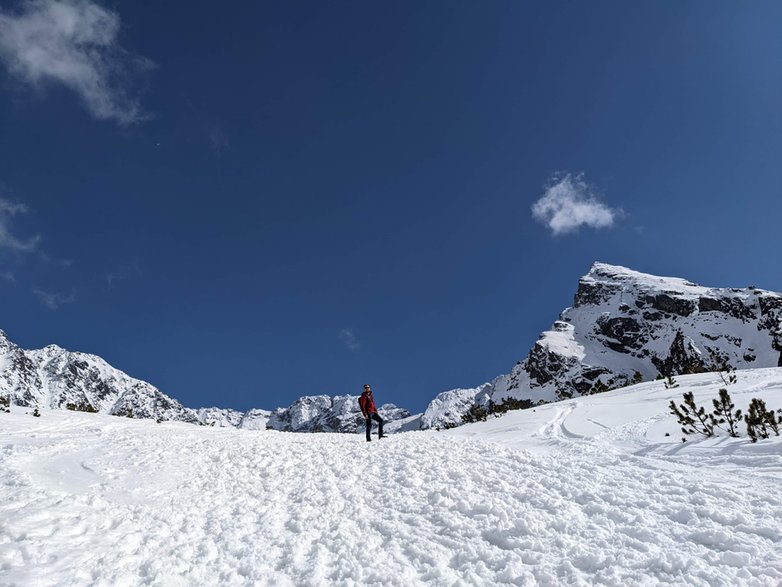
<point x="379" y="421"/>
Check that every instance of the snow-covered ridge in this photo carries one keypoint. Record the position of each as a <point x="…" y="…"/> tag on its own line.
<point x="605" y="274"/>
<point x="626" y="326"/>
<point x="54" y="377"/>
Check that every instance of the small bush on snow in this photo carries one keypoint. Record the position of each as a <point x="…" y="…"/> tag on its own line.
<point x="761" y="421"/>
<point x="724" y="413"/>
<point x="693" y="419"/>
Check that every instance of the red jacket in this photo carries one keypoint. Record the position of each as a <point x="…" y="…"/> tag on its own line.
<point x="367" y="404"/>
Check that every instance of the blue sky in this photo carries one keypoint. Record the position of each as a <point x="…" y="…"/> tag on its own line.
<point x="245" y="205"/>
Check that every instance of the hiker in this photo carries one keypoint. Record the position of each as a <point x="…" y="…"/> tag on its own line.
<point x="367" y="404"/>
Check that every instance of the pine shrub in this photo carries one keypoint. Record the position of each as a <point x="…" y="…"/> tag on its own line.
<point x="724" y="413"/>
<point x="36" y="413"/>
<point x="773" y="421"/>
<point x="671" y="383"/>
<point x="725" y="370"/>
<point x="81" y="407"/>
<point x="508" y="404"/>
<point x="692" y="418"/>
<point x="475" y="414"/>
<point x="757" y="420"/>
<point x="480" y="413"/>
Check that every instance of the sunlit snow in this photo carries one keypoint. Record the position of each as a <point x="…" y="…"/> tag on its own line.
<point x="596" y="490"/>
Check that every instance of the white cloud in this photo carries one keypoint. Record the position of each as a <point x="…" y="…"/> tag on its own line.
<point x="73" y="43"/>
<point x="569" y="203"/>
<point x="7" y="240"/>
<point x="8" y="276"/>
<point x="346" y="335"/>
<point x="53" y="300"/>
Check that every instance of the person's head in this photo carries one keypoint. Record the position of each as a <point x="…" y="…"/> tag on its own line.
<point x="367" y="388"/>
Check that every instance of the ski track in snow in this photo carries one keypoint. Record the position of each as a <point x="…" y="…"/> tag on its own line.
<point x="88" y="499"/>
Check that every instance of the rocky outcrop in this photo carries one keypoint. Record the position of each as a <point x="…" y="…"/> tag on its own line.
<point x="684" y="358"/>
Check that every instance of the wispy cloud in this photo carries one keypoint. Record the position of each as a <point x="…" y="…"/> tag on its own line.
<point x="346" y="335"/>
<point x="569" y="203"/>
<point x="217" y="138"/>
<point x="7" y="276"/>
<point x="73" y="43"/>
<point x="8" y="241"/>
<point x="122" y="273"/>
<point x="53" y="300"/>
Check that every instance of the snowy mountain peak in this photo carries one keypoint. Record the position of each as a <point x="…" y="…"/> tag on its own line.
<point x="606" y="274"/>
<point x="53" y="349"/>
<point x="626" y="326"/>
<point x="55" y="377"/>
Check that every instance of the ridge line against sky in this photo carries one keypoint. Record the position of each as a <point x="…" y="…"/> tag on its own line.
<point x="311" y="197"/>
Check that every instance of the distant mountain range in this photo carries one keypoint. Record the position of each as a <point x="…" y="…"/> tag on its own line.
<point x="56" y="378"/>
<point x="623" y="327"/>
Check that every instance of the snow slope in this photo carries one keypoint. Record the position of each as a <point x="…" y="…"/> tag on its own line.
<point x="589" y="491"/>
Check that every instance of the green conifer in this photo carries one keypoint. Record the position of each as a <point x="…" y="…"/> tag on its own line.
<point x="693" y="419"/>
<point x="724" y="413"/>
<point x="757" y="420"/>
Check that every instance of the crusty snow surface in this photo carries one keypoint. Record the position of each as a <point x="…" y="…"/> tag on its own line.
<point x="582" y="492"/>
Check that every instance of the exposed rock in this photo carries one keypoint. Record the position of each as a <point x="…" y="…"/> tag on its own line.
<point x="625" y="332"/>
<point x="683" y="358"/>
<point x="671" y="304"/>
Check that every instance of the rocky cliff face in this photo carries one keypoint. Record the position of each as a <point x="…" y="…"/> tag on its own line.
<point x="625" y="326"/>
<point x="56" y="378"/>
